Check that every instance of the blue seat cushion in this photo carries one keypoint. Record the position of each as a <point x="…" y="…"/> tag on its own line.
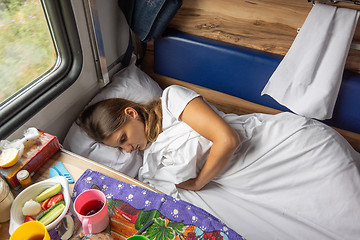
<point x="241" y="72"/>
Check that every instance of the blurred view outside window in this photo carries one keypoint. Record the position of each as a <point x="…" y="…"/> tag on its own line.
<point x="26" y="47"/>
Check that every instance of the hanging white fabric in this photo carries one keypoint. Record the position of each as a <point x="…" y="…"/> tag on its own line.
<point x="308" y="79"/>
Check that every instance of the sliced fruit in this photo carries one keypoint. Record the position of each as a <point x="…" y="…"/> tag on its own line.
<point x="28" y="219"/>
<point x="44" y="204"/>
<point x="49" y="192"/>
<point x="41" y="215"/>
<point x="52" y="213"/>
<point x="9" y="157"/>
<point x="54" y="199"/>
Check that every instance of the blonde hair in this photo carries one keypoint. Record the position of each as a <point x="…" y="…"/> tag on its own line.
<point x="102" y="119"/>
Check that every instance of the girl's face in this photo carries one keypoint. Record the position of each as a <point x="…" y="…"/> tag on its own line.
<point x="131" y="136"/>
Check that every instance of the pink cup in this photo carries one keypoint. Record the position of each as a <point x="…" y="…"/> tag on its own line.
<point x="91" y="209"/>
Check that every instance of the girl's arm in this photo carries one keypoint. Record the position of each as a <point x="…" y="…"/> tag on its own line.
<point x="204" y="120"/>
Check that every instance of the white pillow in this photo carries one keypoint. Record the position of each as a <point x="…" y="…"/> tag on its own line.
<point x="130" y="83"/>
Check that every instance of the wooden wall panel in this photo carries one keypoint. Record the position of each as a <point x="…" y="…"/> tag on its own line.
<point x="267" y="25"/>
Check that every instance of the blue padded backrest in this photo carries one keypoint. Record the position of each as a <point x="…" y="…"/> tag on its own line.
<point x="241" y="72"/>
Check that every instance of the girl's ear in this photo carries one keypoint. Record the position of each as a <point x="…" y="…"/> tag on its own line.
<point x="131" y="112"/>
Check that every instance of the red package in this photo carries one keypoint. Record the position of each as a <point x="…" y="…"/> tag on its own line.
<point x="32" y="158"/>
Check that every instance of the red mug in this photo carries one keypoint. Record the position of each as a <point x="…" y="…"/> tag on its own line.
<point x="91" y="209"/>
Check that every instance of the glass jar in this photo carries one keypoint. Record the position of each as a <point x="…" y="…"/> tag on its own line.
<point x="6" y="199"/>
<point x="24" y="178"/>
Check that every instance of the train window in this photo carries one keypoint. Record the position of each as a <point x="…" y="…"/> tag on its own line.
<point x="40" y="56"/>
<point x="26" y="47"/>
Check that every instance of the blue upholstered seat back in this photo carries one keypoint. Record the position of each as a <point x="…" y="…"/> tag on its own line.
<point x="241" y="72"/>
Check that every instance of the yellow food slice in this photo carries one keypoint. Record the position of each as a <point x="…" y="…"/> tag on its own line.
<point x="9" y="157"/>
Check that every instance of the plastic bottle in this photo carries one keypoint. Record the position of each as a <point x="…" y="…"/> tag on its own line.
<point x="6" y="199"/>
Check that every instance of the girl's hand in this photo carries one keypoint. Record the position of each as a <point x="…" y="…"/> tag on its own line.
<point x="189" y="185"/>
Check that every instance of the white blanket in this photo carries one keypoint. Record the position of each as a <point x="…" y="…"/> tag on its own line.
<point x="291" y="178"/>
<point x="308" y="79"/>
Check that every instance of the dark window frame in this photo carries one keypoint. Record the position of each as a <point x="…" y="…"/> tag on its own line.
<point x="16" y="111"/>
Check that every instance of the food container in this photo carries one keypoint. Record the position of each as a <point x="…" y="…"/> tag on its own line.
<point x="17" y="217"/>
<point x="24" y="178"/>
<point x="6" y="200"/>
<point x="32" y="159"/>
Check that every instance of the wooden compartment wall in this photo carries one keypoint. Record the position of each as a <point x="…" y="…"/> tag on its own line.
<point x="267" y="25"/>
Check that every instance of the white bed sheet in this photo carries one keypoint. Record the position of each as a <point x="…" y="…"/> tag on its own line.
<point x="291" y="178"/>
<point x="301" y="186"/>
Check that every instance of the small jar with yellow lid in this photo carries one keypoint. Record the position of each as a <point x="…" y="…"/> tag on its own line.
<point x="24" y="178"/>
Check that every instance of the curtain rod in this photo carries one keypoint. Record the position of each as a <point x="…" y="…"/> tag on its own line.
<point x="333" y="1"/>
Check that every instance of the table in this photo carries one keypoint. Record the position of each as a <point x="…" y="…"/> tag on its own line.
<point x="76" y="165"/>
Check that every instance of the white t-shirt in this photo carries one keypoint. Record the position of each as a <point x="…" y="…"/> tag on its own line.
<point x="179" y="152"/>
<point x="174" y="100"/>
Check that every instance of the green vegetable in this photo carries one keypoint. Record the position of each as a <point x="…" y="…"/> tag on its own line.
<point x="49" y="192"/>
<point x="54" y="212"/>
<point x="48" y="210"/>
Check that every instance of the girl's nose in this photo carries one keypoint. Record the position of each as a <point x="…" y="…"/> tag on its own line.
<point x="127" y="148"/>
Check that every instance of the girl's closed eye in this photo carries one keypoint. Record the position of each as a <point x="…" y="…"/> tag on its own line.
<point x="123" y="139"/>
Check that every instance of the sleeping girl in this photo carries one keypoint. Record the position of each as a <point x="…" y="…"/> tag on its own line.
<point x="266" y="176"/>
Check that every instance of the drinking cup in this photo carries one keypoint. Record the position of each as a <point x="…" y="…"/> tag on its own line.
<point x="137" y="237"/>
<point x="91" y="209"/>
<point x="32" y="230"/>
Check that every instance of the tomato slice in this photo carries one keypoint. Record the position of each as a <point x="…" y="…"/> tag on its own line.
<point x="54" y="199"/>
<point x="28" y="219"/>
<point x="49" y="202"/>
<point x="44" y="203"/>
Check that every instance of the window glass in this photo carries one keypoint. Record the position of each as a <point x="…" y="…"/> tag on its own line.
<point x="26" y="47"/>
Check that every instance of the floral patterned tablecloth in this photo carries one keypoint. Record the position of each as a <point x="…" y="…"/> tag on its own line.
<point x="131" y="207"/>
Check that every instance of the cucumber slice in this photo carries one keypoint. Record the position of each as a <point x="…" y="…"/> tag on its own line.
<point x="49" y="192"/>
<point x="41" y="215"/>
<point x="53" y="214"/>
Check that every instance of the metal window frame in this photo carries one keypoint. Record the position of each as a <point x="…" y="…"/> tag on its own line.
<point x="17" y="110"/>
<point x="96" y="39"/>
